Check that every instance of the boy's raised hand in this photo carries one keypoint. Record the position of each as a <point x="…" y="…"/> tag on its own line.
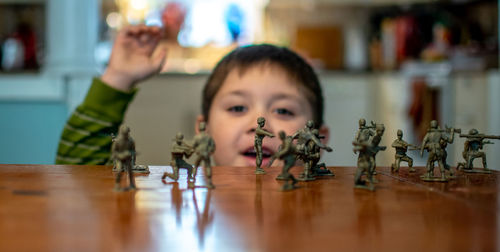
<point x="133" y="57"/>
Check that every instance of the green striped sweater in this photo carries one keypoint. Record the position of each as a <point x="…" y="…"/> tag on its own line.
<point x="86" y="138"/>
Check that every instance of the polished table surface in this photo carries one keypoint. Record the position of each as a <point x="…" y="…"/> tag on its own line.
<point x="74" y="208"/>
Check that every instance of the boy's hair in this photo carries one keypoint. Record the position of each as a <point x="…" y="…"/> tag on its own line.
<point x="246" y="57"/>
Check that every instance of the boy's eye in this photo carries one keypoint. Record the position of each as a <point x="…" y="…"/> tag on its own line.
<point x="283" y="111"/>
<point x="237" y="108"/>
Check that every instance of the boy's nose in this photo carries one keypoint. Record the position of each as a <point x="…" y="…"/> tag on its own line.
<point x="253" y="124"/>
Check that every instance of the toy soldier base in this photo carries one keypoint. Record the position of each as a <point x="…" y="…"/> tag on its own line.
<point x="321" y="170"/>
<point x="431" y="178"/>
<point x="137" y="169"/>
<point x="473" y="170"/>
<point x="141" y="169"/>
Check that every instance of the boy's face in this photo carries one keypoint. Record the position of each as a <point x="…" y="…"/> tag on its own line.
<point x="263" y="90"/>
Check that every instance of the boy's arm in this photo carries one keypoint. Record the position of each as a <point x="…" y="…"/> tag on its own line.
<point x="86" y="138"/>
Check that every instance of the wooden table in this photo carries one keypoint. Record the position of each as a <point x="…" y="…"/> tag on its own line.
<point x="73" y="208"/>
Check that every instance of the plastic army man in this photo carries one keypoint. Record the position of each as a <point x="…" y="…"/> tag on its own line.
<point x="135" y="168"/>
<point x="444" y="143"/>
<point x="287" y="154"/>
<point x="180" y="150"/>
<point x="314" y="155"/>
<point x="472" y="150"/>
<point x="364" y="132"/>
<point x="123" y="152"/>
<point x="401" y="147"/>
<point x="304" y="136"/>
<point x="260" y="133"/>
<point x="435" y="140"/>
<point x="375" y="148"/>
<point x="366" y="159"/>
<point x="204" y="147"/>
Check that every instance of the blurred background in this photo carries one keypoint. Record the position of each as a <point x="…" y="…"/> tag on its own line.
<point x="397" y="62"/>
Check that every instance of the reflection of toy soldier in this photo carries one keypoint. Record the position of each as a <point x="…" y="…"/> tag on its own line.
<point x="433" y="142"/>
<point x="401" y="147"/>
<point x="287" y="154"/>
<point x="472" y="146"/>
<point x="314" y="156"/>
<point x="366" y="159"/>
<point x="204" y="146"/>
<point x="260" y="133"/>
<point x="179" y="150"/>
<point x="123" y="150"/>
<point x="304" y="136"/>
<point x="364" y="132"/>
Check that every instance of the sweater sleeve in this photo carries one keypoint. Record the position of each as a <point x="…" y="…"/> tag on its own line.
<point x="86" y="138"/>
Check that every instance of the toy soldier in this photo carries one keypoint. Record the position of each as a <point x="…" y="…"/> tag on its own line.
<point x="313" y="157"/>
<point x="135" y="168"/>
<point x="287" y="154"/>
<point x="260" y="133"/>
<point x="364" y="132"/>
<point x="375" y="148"/>
<point x="433" y="142"/>
<point x="123" y="150"/>
<point x="366" y="159"/>
<point x="401" y="147"/>
<point x="472" y="146"/>
<point x="303" y="137"/>
<point x="204" y="147"/>
<point x="180" y="150"/>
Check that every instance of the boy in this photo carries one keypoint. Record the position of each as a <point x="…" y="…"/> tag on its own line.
<point x="248" y="83"/>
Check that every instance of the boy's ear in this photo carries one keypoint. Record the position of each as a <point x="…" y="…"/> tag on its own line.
<point x="324" y="131"/>
<point x="199" y="118"/>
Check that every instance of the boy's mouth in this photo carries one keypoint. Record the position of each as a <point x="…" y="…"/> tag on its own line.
<point x="250" y="155"/>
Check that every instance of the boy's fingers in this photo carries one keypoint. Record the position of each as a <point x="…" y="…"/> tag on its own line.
<point x="144" y="38"/>
<point x="132" y="30"/>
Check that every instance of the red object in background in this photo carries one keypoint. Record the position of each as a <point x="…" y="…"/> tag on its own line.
<point x="27" y="37"/>
<point x="424" y="107"/>
<point x="172" y="18"/>
<point x="407" y="40"/>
